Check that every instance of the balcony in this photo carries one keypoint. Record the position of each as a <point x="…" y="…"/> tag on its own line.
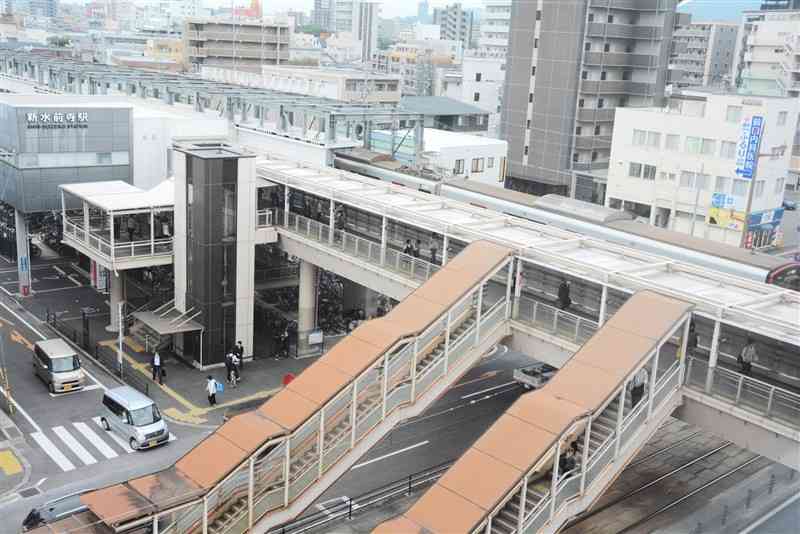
<point x="791" y="66"/>
<point x="242" y="37"/>
<point x="594" y="166"/>
<point x="245" y="53"/>
<point x="610" y="59"/>
<point x="619" y="87"/>
<point x="595" y="115"/>
<point x="623" y="31"/>
<point x="687" y="32"/>
<point x="589" y="142"/>
<point x="630" y="5"/>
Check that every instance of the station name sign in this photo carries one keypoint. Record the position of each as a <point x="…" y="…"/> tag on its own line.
<point x="57" y="120"/>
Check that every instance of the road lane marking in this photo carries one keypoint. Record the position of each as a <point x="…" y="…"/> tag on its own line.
<point x="26" y="323"/>
<point x="379" y="458"/>
<point x="22" y="411"/>
<point x="98" y="443"/>
<point x="52" y="451"/>
<point x="73" y="444"/>
<point x="6" y="291"/>
<point x="110" y="433"/>
<point x="487" y="390"/>
<point x="485" y="376"/>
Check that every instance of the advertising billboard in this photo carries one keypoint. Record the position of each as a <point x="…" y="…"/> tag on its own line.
<point x="726" y="211"/>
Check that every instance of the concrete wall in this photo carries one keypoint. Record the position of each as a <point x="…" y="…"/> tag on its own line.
<point x="285" y="147"/>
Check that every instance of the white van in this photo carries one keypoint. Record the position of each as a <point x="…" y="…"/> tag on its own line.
<point x="58" y="365"/>
<point x="135" y="417"/>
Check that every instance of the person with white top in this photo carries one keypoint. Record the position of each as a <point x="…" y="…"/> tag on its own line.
<point x="155" y="364"/>
<point x="211" y="389"/>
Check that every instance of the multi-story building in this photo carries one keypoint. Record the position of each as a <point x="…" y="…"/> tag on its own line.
<point x="43" y="8"/>
<point x="495" y="24"/>
<point x="321" y="15"/>
<point x="456" y="23"/>
<point x="768" y="5"/>
<point x="366" y="29"/>
<point x="766" y="52"/>
<point x="564" y="80"/>
<point x="346" y="85"/>
<point x="239" y="45"/>
<point x="702" y="53"/>
<point x="676" y="166"/>
<point x="478" y="81"/>
<point x="416" y="62"/>
<point x="423" y="12"/>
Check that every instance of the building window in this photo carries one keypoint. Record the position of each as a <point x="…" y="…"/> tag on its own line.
<point x="687" y="180"/>
<point x="477" y="164"/>
<point x="607" y="47"/>
<point x="530" y="97"/>
<point x="104" y="158"/>
<point x="538" y="14"/>
<point x="536" y="43"/>
<point x="477" y="76"/>
<point x="673" y="142"/>
<point x="600" y="103"/>
<point x="603" y="75"/>
<point x="588" y="47"/>
<point x="739" y="187"/>
<point x="727" y="150"/>
<point x="575" y="157"/>
<point x="627" y="75"/>
<point x="639" y="137"/>
<point x="611" y="19"/>
<point x="528" y="124"/>
<point x="597" y="130"/>
<point x="649" y="172"/>
<point x="476" y="97"/>
<point x="708" y="147"/>
<point x="653" y="139"/>
<point x="581" y="102"/>
<point x="615" y="203"/>
<point x="490" y="163"/>
<point x="782" y="116"/>
<point x="733" y="114"/>
<point x="584" y="75"/>
<point x="526" y="150"/>
<point x="780" y="183"/>
<point x="591" y="17"/>
<point x="635" y="170"/>
<point x="578" y="130"/>
<point x="459" y="168"/>
<point x="722" y="184"/>
<point x="759" y="189"/>
<point x="666" y="177"/>
<point x="693" y="144"/>
<point x="594" y="155"/>
<point x="533" y="70"/>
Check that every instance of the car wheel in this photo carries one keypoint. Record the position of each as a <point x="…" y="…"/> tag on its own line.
<point x="133" y="444"/>
<point x="105" y="424"/>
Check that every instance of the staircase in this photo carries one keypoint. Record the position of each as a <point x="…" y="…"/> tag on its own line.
<point x="505" y="522"/>
<point x="433" y="356"/>
<point x="146" y="336"/>
<point x="604" y="425"/>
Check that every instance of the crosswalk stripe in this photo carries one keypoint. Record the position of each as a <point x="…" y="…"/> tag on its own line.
<point x="52" y="451"/>
<point x="119" y="441"/>
<point x="98" y="443"/>
<point x="73" y="444"/>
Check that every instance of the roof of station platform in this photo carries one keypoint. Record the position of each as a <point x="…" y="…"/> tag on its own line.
<point x="116" y="195"/>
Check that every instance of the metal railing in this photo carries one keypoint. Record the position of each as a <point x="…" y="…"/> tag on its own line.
<point x="358" y="247"/>
<point x="751" y="394"/>
<point x="557" y="322"/>
<point x="119" y="251"/>
<point x="614" y="445"/>
<point x="265" y="218"/>
<point x="282" y="469"/>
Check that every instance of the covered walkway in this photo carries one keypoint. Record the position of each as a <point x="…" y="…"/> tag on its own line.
<point x="264" y="467"/>
<point x="557" y="448"/>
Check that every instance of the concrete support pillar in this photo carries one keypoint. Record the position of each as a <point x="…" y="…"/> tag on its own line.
<point x="198" y="103"/>
<point x="23" y="254"/>
<point x="307" y="301"/>
<point x="115" y="297"/>
<point x="713" y="355"/>
<point x="355" y="296"/>
<point x="86" y="222"/>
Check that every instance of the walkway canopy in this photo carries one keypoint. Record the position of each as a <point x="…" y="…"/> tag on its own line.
<point x="118" y="225"/>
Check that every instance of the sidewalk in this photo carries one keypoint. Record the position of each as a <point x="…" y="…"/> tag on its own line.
<point x="183" y="398"/>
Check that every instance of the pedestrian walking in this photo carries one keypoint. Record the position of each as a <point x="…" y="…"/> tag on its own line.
<point x="155" y="365"/>
<point x="211" y="390"/>
<point x="228" y="366"/>
<point x="239" y="350"/>
<point x="409" y="248"/>
<point x="235" y="369"/>
<point x="748" y="355"/>
<point x="637" y="386"/>
<point x="433" y="253"/>
<point x="691" y="343"/>
<point x="564" y="300"/>
<point x="417" y="248"/>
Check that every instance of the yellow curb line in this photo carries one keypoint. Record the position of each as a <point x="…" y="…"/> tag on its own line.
<point x="9" y="463"/>
<point x="134" y="345"/>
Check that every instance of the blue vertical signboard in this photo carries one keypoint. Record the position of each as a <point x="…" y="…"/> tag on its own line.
<point x="747" y="149"/>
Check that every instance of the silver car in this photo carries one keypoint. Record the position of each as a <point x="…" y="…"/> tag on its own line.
<point x="135" y="417"/>
<point x="58" y="365"/>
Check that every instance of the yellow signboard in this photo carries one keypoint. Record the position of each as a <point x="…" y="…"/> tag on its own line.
<point x="726" y="218"/>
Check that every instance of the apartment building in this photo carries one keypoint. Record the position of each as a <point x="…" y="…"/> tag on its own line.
<point x="495" y="25"/>
<point x="676" y="166"/>
<point x="767" y="52"/>
<point x="478" y="81"/>
<point x="564" y="80"/>
<point x="456" y="23"/>
<point x="240" y="45"/>
<point x="702" y="53"/>
<point x="416" y="62"/>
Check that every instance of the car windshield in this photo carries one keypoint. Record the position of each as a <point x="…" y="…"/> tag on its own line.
<point x="62" y="365"/>
<point x="145" y="416"/>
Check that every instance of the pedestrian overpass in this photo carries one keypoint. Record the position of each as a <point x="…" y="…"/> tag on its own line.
<point x="497" y="276"/>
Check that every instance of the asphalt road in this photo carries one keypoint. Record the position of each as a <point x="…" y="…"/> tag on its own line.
<point x="442" y="433"/>
<point x="62" y="443"/>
